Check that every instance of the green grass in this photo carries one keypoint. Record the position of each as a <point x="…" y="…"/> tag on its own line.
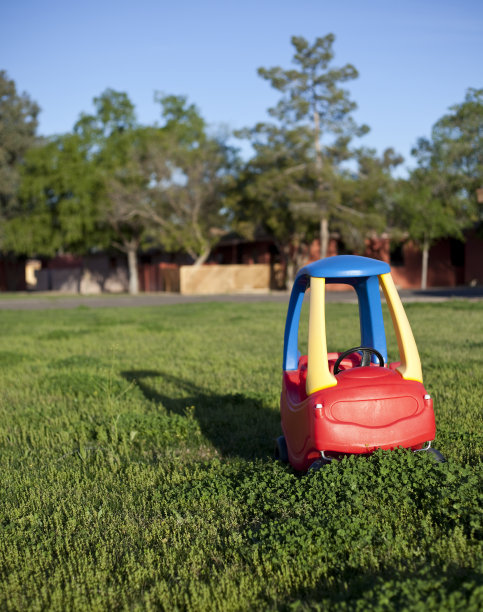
<point x="136" y="469"/>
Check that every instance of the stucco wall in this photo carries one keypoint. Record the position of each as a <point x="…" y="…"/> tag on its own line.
<point x="196" y="280"/>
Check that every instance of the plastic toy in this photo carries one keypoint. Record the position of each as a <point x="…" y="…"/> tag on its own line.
<point x="353" y="401"/>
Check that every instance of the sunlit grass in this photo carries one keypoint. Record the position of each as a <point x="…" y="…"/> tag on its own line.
<point x="136" y="469"/>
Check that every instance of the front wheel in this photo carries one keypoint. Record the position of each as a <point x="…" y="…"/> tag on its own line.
<point x="437" y="455"/>
<point x="318" y="464"/>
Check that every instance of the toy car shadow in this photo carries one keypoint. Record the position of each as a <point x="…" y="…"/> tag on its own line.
<point x="235" y="424"/>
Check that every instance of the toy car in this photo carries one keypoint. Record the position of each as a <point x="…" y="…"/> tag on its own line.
<point x="352" y="401"/>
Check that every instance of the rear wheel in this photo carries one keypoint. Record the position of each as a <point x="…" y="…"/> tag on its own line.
<point x="281" y="452"/>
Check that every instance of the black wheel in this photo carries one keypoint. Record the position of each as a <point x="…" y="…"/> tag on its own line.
<point x="437" y="455"/>
<point x="317" y="465"/>
<point x="281" y="452"/>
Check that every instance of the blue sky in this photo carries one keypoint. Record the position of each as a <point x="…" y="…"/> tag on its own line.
<point x="415" y="58"/>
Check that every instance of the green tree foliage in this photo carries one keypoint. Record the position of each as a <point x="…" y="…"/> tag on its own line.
<point x="18" y="124"/>
<point x="114" y="115"/>
<point x="57" y="210"/>
<point x="314" y="102"/>
<point x="272" y="188"/>
<point x="63" y="182"/>
<point x="190" y="173"/>
<point x="455" y="149"/>
<point x="366" y="196"/>
<point x="276" y="188"/>
<point x="439" y="200"/>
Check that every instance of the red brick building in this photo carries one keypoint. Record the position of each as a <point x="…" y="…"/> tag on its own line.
<point x="451" y="262"/>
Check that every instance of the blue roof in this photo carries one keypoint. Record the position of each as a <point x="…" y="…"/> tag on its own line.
<point x="344" y="266"/>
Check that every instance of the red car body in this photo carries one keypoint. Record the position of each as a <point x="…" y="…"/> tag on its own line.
<point x="358" y="408"/>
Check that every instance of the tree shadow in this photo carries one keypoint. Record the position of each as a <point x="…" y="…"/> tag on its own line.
<point x="237" y="425"/>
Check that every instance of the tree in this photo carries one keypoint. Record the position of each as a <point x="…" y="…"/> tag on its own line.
<point x="312" y="98"/>
<point x="189" y="174"/>
<point x="64" y="180"/>
<point x="114" y="115"/>
<point x="272" y="187"/>
<point x="427" y="211"/>
<point x="112" y="140"/>
<point x="440" y="198"/>
<point x="161" y="184"/>
<point x="125" y="199"/>
<point x="366" y="195"/>
<point x="18" y="124"/>
<point x="57" y="203"/>
<point x="455" y="149"/>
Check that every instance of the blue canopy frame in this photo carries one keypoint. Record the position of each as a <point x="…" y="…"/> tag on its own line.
<point x="361" y="273"/>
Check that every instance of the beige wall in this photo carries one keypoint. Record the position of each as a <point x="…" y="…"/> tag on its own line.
<point x="195" y="280"/>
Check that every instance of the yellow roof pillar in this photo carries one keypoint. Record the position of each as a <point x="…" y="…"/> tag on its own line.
<point x="318" y="373"/>
<point x="410" y="367"/>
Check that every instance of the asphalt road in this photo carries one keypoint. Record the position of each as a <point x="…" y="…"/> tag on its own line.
<point x="49" y="301"/>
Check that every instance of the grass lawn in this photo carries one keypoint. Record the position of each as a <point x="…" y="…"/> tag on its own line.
<point x="136" y="469"/>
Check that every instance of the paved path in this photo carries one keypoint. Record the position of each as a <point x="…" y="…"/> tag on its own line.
<point x="48" y="301"/>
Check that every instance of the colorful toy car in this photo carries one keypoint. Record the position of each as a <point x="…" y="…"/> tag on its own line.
<point x="353" y="401"/>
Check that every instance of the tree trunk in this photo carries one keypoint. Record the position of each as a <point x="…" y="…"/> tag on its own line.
<point x="132" y="264"/>
<point x="324" y="237"/>
<point x="324" y="217"/>
<point x="200" y="260"/>
<point x="290" y="267"/>
<point x="424" y="271"/>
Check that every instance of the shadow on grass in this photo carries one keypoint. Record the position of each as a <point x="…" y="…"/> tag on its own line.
<point x="235" y="424"/>
<point x="398" y="589"/>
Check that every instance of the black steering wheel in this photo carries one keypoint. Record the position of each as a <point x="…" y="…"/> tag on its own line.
<point x="366" y="351"/>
